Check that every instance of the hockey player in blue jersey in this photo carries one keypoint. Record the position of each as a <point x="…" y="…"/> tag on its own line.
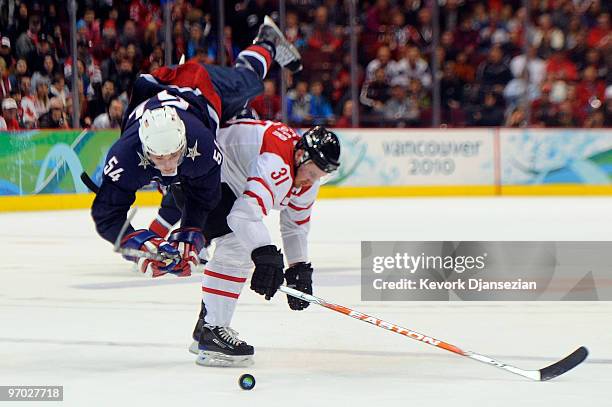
<point x="168" y="136"/>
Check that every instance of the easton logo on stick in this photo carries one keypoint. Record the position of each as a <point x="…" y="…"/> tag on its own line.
<point x="394" y="328"/>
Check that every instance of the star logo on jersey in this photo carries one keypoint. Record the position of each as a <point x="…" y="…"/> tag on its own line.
<point x="144" y="161"/>
<point x="192" y="152"/>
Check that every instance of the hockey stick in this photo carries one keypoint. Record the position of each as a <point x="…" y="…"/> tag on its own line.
<point x="546" y="373"/>
<point x="89" y="183"/>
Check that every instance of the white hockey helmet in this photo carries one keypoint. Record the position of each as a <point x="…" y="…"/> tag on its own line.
<point x="162" y="131"/>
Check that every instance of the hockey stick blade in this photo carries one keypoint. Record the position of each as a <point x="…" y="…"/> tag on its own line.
<point x="141" y="253"/>
<point x="89" y="183"/>
<point x="134" y="252"/>
<point x="567" y="363"/>
<point x="547" y="373"/>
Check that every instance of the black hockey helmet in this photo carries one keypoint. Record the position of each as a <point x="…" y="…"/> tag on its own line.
<point x="322" y="147"/>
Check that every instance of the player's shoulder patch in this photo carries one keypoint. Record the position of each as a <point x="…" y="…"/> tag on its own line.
<point x="280" y="139"/>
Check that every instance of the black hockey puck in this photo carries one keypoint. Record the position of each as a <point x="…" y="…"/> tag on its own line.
<point x="246" y="382"/>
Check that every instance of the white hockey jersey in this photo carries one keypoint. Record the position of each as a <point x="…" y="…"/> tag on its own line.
<point x="259" y="168"/>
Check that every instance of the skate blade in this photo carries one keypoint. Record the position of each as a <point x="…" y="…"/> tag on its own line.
<point x="216" y="359"/>
<point x="193" y="348"/>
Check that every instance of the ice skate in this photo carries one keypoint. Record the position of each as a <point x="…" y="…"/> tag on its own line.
<point x="220" y="347"/>
<point x="285" y="54"/>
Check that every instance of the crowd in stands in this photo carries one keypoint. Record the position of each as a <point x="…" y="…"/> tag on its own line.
<point x="494" y="70"/>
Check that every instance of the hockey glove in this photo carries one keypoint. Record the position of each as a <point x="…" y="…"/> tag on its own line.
<point x="299" y="277"/>
<point x="188" y="242"/>
<point x="268" y="274"/>
<point x="148" y="241"/>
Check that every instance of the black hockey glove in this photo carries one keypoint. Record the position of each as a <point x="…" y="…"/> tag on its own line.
<point x="299" y="277"/>
<point x="268" y="274"/>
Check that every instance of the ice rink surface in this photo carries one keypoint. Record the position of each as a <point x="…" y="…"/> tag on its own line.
<point x="73" y="313"/>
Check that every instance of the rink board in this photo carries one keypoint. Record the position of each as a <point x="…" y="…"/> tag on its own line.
<point x="41" y="169"/>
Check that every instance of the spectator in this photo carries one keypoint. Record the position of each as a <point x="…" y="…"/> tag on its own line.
<point x="323" y="38"/>
<point x="47" y="72"/>
<point x="58" y="87"/>
<point x="575" y="34"/>
<point x="27" y="103"/>
<point x="608" y="108"/>
<point x="419" y="94"/>
<point x="566" y="116"/>
<point x="109" y="41"/>
<point x="600" y="36"/>
<point x="516" y="118"/>
<point x="298" y="104"/>
<point x="451" y="93"/>
<point x="130" y="34"/>
<point x="400" y="111"/>
<point x="466" y="37"/>
<point x="493" y="33"/>
<point x="536" y="67"/>
<point x="125" y="76"/>
<point x="593" y="58"/>
<point x="5" y="83"/>
<point x="40" y="99"/>
<point x="573" y="31"/>
<point x="322" y="45"/>
<point x="544" y="111"/>
<point x="560" y="67"/>
<point x="590" y="92"/>
<point x="423" y="35"/>
<point x="463" y="69"/>
<point x="112" y="118"/>
<point x="92" y="32"/>
<point x="383" y="60"/>
<point x="231" y="49"/>
<point x="376" y="93"/>
<point x="21" y="69"/>
<point x="411" y="66"/>
<point x="55" y="118"/>
<point x="26" y="43"/>
<point x="447" y="42"/>
<point x="9" y="120"/>
<point x="196" y="40"/>
<point x="110" y="67"/>
<point x="346" y="119"/>
<point x="268" y="104"/>
<point x="398" y="33"/>
<point x="595" y="120"/>
<point x="494" y="73"/>
<point x="547" y="38"/>
<point x="293" y="31"/>
<point x="5" y="52"/>
<point x="102" y="98"/>
<point x="491" y="114"/>
<point x="378" y="16"/>
<point x="320" y="110"/>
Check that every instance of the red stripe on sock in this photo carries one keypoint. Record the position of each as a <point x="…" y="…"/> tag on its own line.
<point x="219" y="292"/>
<point x="224" y="276"/>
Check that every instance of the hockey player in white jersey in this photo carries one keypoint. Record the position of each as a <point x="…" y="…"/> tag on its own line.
<point x="267" y="166"/>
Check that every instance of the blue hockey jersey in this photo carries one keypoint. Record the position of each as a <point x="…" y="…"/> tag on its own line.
<point x="127" y="168"/>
